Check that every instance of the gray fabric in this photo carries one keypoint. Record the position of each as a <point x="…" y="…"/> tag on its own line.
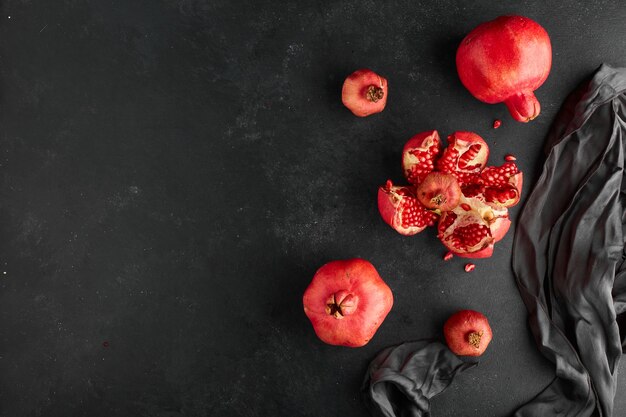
<point x="401" y="379"/>
<point x="568" y="254"/>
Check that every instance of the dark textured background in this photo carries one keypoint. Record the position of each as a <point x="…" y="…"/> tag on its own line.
<point x="174" y="172"/>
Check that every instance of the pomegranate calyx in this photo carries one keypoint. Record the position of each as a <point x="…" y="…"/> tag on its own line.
<point x="374" y="93"/>
<point x="473" y="338"/>
<point x="524" y="106"/>
<point x="342" y="303"/>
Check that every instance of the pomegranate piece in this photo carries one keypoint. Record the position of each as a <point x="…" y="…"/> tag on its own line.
<point x="471" y="229"/>
<point x="418" y="156"/>
<point x="465" y="156"/>
<point x="364" y="92"/>
<point x="439" y="191"/>
<point x="467" y="333"/>
<point x="506" y="60"/>
<point x="346" y="302"/>
<point x="400" y="209"/>
<point x="502" y="185"/>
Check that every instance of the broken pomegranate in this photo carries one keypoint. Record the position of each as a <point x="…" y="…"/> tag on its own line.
<point x="439" y="191"/>
<point x="346" y="302"/>
<point x="470" y="200"/>
<point x="418" y="156"/>
<point x="467" y="333"/>
<point x="364" y="92"/>
<point x="400" y="209"/>
<point x="506" y="60"/>
<point x="465" y="156"/>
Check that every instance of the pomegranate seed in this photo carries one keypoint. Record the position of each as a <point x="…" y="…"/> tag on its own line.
<point x="469" y="267"/>
<point x="466" y="207"/>
<point x="496" y="123"/>
<point x="510" y="157"/>
<point x="448" y="256"/>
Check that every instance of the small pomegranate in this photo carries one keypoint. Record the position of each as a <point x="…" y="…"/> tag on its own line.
<point x="364" y="92"/>
<point x="506" y="60"/>
<point x="464" y="157"/>
<point x="400" y="209"/>
<point x="418" y="156"/>
<point x="467" y="333"/>
<point x="439" y="191"/>
<point x="346" y="302"/>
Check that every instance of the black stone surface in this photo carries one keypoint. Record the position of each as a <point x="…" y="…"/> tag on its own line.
<point x="174" y="172"/>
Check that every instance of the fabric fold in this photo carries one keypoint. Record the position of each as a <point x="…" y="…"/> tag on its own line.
<point x="402" y="379"/>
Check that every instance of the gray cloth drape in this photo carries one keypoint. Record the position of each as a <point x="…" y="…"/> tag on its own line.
<point x="568" y="253"/>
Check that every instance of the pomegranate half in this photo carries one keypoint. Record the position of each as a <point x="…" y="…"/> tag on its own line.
<point x="506" y="60"/>
<point x="346" y="302"/>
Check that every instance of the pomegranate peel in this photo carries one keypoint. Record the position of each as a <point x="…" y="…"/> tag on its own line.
<point x="467" y="333"/>
<point x="364" y="92"/>
<point x="346" y="302"/>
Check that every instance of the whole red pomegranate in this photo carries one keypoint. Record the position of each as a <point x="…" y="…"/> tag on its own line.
<point x="439" y="191"/>
<point x="506" y="60"/>
<point x="467" y="333"/>
<point x="364" y="92"/>
<point x="346" y="302"/>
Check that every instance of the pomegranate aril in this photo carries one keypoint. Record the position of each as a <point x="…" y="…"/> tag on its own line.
<point x="469" y="267"/>
<point x="510" y="158"/>
<point x="448" y="256"/>
<point x="466" y="207"/>
<point x="497" y="123"/>
<point x="469" y="155"/>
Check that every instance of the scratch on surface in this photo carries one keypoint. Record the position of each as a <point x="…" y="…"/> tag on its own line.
<point x="42" y="29"/>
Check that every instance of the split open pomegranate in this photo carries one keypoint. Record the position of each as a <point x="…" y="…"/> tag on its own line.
<point x="469" y="199"/>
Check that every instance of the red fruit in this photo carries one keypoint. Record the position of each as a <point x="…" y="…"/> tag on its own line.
<point x="465" y="156"/>
<point x="471" y="229"/>
<point x="448" y="256"/>
<point x="467" y="333"/>
<point x="364" y="92"/>
<point x="497" y="123"/>
<point x="469" y="267"/>
<point x="506" y="60"/>
<point x="418" y="156"/>
<point x="503" y="184"/>
<point x="439" y="191"/>
<point x="400" y="209"/>
<point x="346" y="302"/>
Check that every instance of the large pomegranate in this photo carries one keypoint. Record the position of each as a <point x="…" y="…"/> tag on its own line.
<point x="506" y="60"/>
<point x="346" y="302"/>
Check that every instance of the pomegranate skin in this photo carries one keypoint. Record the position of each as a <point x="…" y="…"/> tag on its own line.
<point x="364" y="92"/>
<point x="346" y="302"/>
<point x="506" y="60"/>
<point x="467" y="333"/>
